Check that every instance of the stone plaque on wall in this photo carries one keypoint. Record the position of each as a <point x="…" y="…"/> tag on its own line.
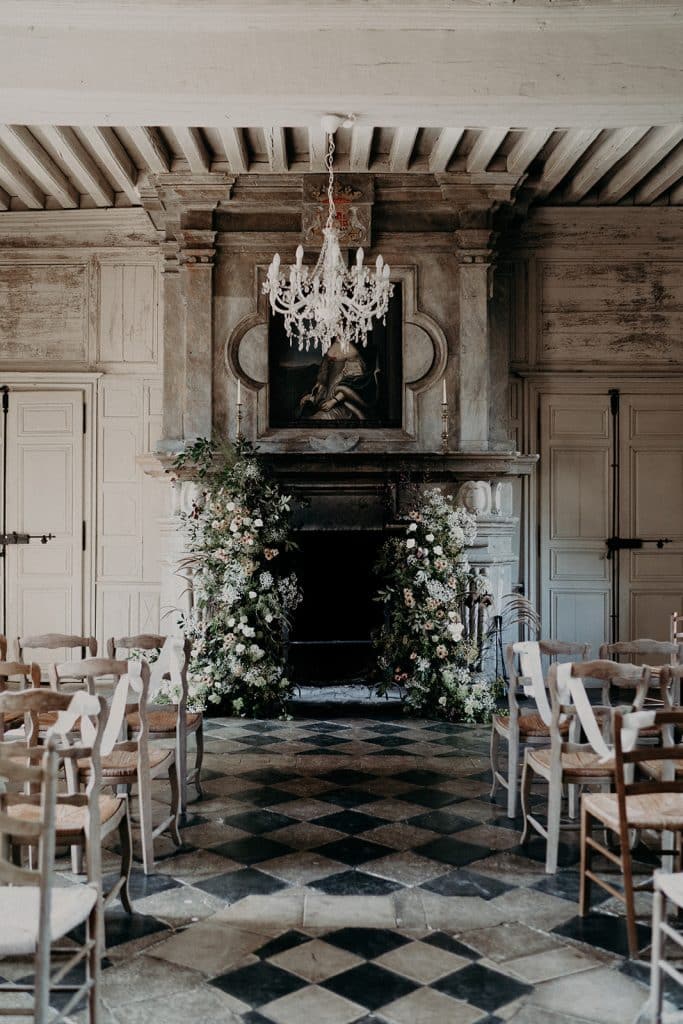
<point x="353" y="198"/>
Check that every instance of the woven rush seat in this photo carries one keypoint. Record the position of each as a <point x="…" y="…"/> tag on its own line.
<point x="69" y="820"/>
<point x="651" y="810"/>
<point x="529" y="725"/>
<point x="578" y="763"/>
<point x="124" y="762"/>
<point x="655" y="768"/>
<point x="162" y="722"/>
<point x="19" y="913"/>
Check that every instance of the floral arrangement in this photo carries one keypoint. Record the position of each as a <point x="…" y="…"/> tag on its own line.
<point x="427" y="646"/>
<point x="238" y="531"/>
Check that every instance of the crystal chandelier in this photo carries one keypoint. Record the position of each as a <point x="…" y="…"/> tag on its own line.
<point x="331" y="302"/>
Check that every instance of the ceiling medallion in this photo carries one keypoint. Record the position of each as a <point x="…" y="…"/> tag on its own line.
<point x="330" y="302"/>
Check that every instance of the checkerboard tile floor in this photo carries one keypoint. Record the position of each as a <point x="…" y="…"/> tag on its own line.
<point x="356" y="872"/>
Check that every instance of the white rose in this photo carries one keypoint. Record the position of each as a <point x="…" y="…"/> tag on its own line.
<point x="412" y="528"/>
<point x="230" y="506"/>
<point x="240" y="648"/>
<point x="231" y="623"/>
<point x="258" y="523"/>
<point x="252" y="594"/>
<point x="430" y="537"/>
<point x="438" y="550"/>
<point x="410" y="543"/>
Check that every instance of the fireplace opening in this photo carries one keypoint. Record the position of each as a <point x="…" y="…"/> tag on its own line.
<point x="330" y="641"/>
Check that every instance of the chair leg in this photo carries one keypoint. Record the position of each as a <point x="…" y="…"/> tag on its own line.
<point x="656" y="987"/>
<point x="175" y="803"/>
<point x="126" y="841"/>
<point x="513" y="775"/>
<point x="199" y="757"/>
<point x="94" y="961"/>
<point x="553" y="826"/>
<point x="181" y="763"/>
<point x="525" y="793"/>
<point x="146" y="825"/>
<point x="629" y="897"/>
<point x="572" y="801"/>
<point x="41" y="993"/>
<point x="586" y="862"/>
<point x="495" y="740"/>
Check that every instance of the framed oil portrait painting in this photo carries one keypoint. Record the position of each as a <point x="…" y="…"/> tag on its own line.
<point x="361" y="388"/>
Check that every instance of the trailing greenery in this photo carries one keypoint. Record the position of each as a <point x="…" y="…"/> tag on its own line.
<point x="424" y="647"/>
<point x="238" y="530"/>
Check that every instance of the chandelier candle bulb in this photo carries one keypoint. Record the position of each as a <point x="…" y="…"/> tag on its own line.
<point x="444" y="398"/>
<point x="239" y="392"/>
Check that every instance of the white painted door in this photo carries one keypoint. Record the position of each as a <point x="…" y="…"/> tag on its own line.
<point x="610" y="471"/>
<point x="575" y="493"/>
<point x="45" y="463"/>
<point x="650" y="579"/>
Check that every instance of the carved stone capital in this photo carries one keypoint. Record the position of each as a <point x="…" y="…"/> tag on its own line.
<point x="476" y="245"/>
<point x="195" y="248"/>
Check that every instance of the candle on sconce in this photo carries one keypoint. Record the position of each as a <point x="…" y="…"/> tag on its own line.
<point x="239" y="392"/>
<point x="444" y="397"/>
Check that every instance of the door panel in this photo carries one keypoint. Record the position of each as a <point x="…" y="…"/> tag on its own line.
<point x="45" y="495"/>
<point x="651" y="507"/>
<point x="574" y="519"/>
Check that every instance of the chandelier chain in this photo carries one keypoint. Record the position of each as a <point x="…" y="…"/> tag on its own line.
<point x="329" y="162"/>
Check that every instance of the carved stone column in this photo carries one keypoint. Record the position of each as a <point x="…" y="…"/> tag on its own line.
<point x="195" y="256"/>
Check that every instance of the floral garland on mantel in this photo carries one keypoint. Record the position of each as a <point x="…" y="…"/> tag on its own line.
<point x="429" y="645"/>
<point x="237" y="531"/>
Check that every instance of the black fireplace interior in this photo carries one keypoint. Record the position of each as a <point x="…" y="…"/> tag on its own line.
<point x="330" y="639"/>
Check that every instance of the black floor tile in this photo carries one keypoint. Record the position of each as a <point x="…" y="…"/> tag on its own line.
<point x="288" y="940"/>
<point x="640" y="971"/>
<point x="233" y="885"/>
<point x="466" y="883"/>
<point x="428" y="797"/>
<point x="370" y="985"/>
<point x="254" y="1017"/>
<point x="386" y="728"/>
<point x="567" y="855"/>
<point x="264" y="725"/>
<point x="448" y="850"/>
<point x="258" y="822"/>
<point x="442" y="821"/>
<point x="423" y="777"/>
<point x="604" y="931"/>
<point x="348" y="797"/>
<point x="258" y="984"/>
<point x="251" y="849"/>
<point x="266" y="776"/>
<point x="355" y="883"/>
<point x="482" y="987"/>
<point x="141" y="885"/>
<point x="121" y="927"/>
<point x="324" y="727"/>
<point x="367" y="942"/>
<point x="350" y="821"/>
<point x="352" y="850"/>
<point x="322" y="751"/>
<point x="386" y="741"/>
<point x="265" y="796"/>
<point x="442" y="940"/>
<point x="346" y="776"/>
<point x="324" y="739"/>
<point x="256" y="739"/>
<point x="565" y="884"/>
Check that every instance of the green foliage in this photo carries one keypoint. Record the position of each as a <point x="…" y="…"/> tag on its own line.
<point x="423" y="647"/>
<point x="237" y="530"/>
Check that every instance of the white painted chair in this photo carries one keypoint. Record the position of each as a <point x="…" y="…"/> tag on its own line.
<point x="523" y="727"/>
<point x="568" y="762"/>
<point x="668" y="889"/>
<point x="34" y="913"/>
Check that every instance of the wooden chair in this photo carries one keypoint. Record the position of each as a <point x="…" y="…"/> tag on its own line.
<point x="654" y="804"/>
<point x="169" y="721"/>
<point x="24" y="677"/>
<point x="57" y="642"/>
<point x="132" y="762"/>
<point x="35" y="914"/>
<point x="3" y="648"/>
<point x="520" y="726"/>
<point x="565" y="762"/>
<point x="668" y="888"/>
<point x="676" y="632"/>
<point x="650" y="652"/>
<point x="72" y="819"/>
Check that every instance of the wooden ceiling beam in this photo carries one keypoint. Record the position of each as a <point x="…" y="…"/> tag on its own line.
<point x="114" y="159"/>
<point x="361" y="147"/>
<point x="401" y="150"/>
<point x="526" y="149"/>
<point x="152" y="149"/>
<point x="443" y="149"/>
<point x="317" y="147"/>
<point x="18" y="180"/>
<point x="82" y="166"/>
<point x="276" y="148"/>
<point x="484" y="149"/>
<point x="28" y="151"/>
<point x="646" y="156"/>
<point x="194" y="149"/>
<point x="4" y="200"/>
<point x="610" y="149"/>
<point x="567" y="152"/>
<point x="235" y="147"/>
<point x="669" y="172"/>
